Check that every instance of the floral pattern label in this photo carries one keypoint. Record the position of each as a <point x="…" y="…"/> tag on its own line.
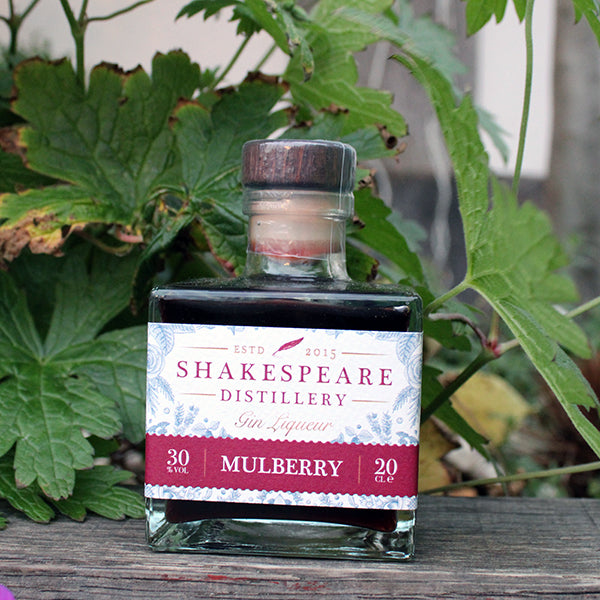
<point x="283" y="415"/>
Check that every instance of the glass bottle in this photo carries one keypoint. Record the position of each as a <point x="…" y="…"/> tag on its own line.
<point x="283" y="406"/>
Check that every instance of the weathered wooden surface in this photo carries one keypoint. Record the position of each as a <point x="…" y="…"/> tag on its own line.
<point x="467" y="548"/>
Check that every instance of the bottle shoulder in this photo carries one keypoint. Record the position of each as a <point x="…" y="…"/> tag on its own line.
<point x="325" y="305"/>
<point x="282" y="287"/>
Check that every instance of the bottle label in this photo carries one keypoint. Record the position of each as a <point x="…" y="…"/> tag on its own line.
<point x="283" y="415"/>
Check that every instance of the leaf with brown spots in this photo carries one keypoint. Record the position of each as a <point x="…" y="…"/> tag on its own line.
<point x="111" y="143"/>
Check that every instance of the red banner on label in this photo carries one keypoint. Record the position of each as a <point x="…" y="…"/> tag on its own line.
<point x="285" y="466"/>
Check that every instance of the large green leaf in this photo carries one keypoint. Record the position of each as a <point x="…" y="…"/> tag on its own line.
<point x="76" y="379"/>
<point x="95" y="489"/>
<point x="112" y="142"/>
<point x="512" y="257"/>
<point x="210" y="144"/>
<point x="420" y="35"/>
<point x="333" y="41"/>
<point x="423" y="38"/>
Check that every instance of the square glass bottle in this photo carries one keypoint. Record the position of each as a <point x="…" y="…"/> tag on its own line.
<point x="283" y="406"/>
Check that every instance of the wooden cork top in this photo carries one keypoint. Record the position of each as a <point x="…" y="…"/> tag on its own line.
<point x="309" y="164"/>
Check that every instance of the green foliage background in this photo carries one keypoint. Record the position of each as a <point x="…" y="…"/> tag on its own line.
<point x="113" y="182"/>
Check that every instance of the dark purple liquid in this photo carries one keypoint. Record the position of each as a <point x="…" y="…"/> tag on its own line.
<point x="353" y="307"/>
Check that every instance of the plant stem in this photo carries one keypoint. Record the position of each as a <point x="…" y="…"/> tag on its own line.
<point x="435" y="304"/>
<point x="462" y="319"/>
<point x="73" y="24"/>
<point x="583" y="308"/>
<point x="14" y="22"/>
<point x="78" y="33"/>
<point x="13" y="26"/>
<point x="83" y="10"/>
<point x="120" y="12"/>
<point x="232" y="62"/>
<point x="29" y="9"/>
<point x="526" y="95"/>
<point x="593" y="466"/>
<point x="266" y="57"/>
<point x="485" y="356"/>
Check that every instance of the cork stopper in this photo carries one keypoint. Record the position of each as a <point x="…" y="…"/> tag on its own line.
<point x="303" y="164"/>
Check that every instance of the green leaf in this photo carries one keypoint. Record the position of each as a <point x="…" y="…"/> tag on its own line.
<point x="283" y="21"/>
<point x="333" y="41"/>
<point x="26" y="500"/>
<point x="520" y="8"/>
<point x="97" y="490"/>
<point x="112" y="142"/>
<point x="369" y="142"/>
<point x="54" y="389"/>
<point x="422" y="38"/>
<point x="590" y="10"/>
<point x="500" y="9"/>
<point x="430" y="389"/>
<point x="381" y="235"/>
<point x="361" y="266"/>
<point x="420" y="35"/>
<point x="114" y="363"/>
<point x="210" y="7"/>
<point x="210" y="144"/>
<point x="14" y="174"/>
<point x="478" y="13"/>
<point x="512" y="256"/>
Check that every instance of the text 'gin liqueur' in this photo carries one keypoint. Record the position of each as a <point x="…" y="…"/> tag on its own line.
<point x="283" y="406"/>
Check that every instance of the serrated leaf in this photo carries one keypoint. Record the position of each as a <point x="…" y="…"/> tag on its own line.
<point x="333" y="41"/>
<point x="210" y="144"/>
<point x="281" y="20"/>
<point x="381" y="235"/>
<point x="511" y="253"/>
<point x="210" y="7"/>
<point x="97" y="490"/>
<point x="420" y="35"/>
<point x="112" y="142"/>
<point x="26" y="500"/>
<point x="113" y="362"/>
<point x="422" y="38"/>
<point x="54" y="389"/>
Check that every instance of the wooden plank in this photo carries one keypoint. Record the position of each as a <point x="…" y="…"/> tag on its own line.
<point x="467" y="548"/>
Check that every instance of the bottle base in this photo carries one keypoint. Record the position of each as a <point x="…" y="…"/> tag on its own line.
<point x="288" y="538"/>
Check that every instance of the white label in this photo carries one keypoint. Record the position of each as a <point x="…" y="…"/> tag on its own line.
<point x="332" y="387"/>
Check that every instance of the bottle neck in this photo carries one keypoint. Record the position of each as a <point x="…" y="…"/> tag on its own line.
<point x="297" y="234"/>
